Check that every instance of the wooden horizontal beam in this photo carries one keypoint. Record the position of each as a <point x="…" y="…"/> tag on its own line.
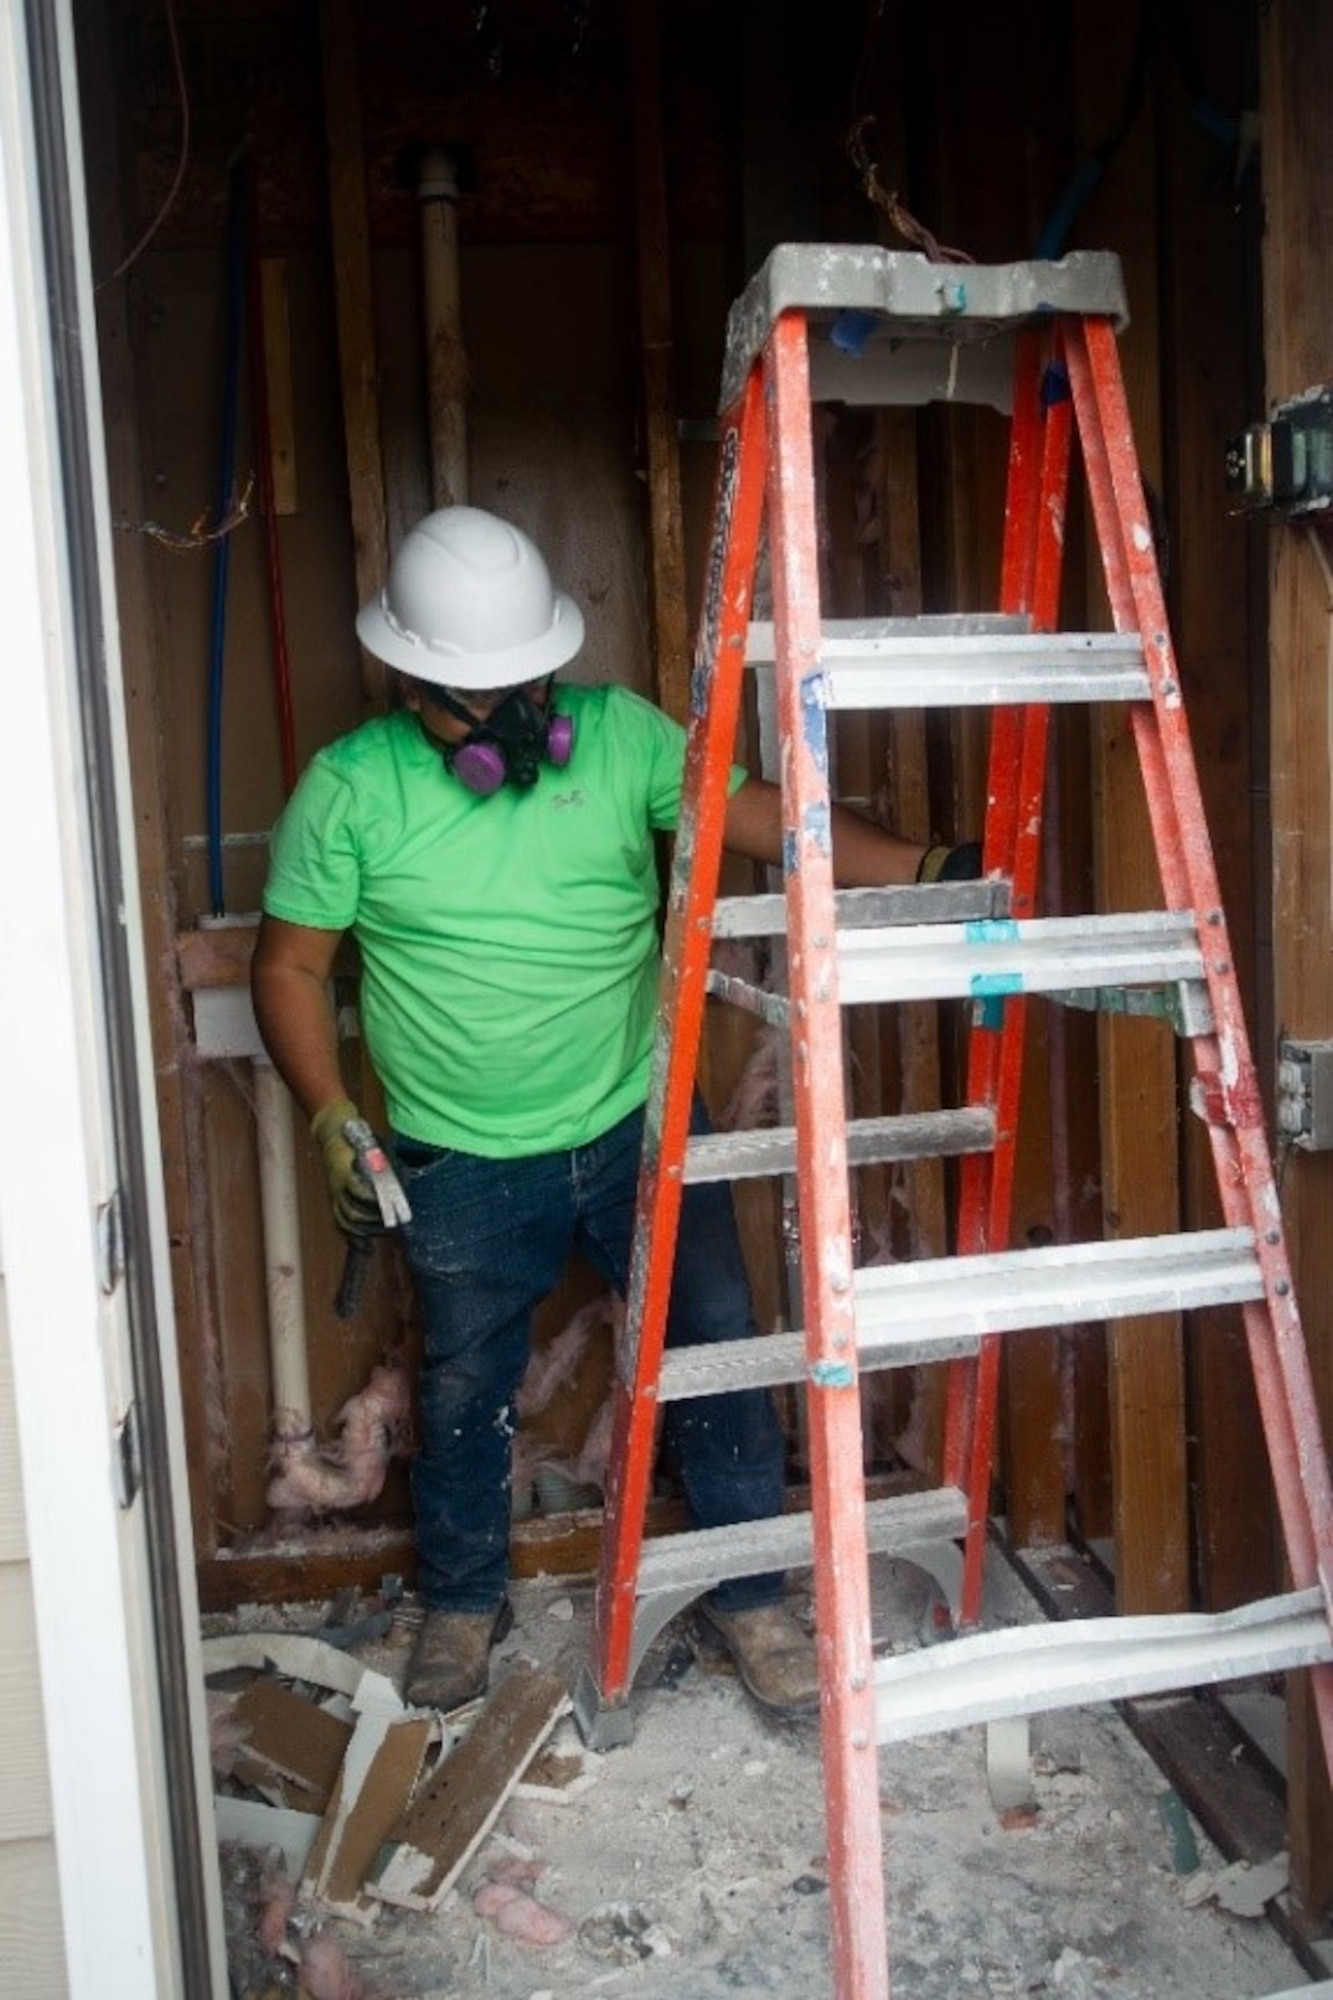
<point x="308" y="1567"/>
<point x="215" y="957"/>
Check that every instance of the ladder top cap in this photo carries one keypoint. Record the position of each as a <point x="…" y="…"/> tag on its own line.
<point x="874" y="306"/>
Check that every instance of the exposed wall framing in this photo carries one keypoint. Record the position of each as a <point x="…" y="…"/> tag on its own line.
<point x="618" y="188"/>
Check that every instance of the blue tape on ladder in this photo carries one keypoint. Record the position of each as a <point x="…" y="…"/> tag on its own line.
<point x="851" y="330"/>
<point x="833" y="1375"/>
<point x="993" y="931"/>
<point x="1055" y="385"/>
<point x="984" y="984"/>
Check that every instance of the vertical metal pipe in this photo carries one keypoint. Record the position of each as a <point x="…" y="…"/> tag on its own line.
<point x="446" y="361"/>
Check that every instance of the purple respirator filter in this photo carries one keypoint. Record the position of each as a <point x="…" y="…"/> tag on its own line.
<point x="483" y="766"/>
<point x="480" y="766"/>
<point x="560" y="740"/>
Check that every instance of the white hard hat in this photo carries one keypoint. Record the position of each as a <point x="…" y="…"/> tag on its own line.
<point x="469" y="603"/>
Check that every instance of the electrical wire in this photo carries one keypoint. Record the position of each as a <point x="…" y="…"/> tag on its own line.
<point x="263" y="437"/>
<point x="237" y="223"/>
<point x="900" y="218"/>
<point x="169" y="198"/>
<point x="1154" y="16"/>
<point x="1059" y="223"/>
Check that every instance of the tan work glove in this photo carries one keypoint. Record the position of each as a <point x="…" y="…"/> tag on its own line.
<point x="951" y="864"/>
<point x="355" y="1207"/>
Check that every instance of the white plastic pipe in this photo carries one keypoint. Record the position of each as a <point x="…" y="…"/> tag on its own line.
<point x="446" y="361"/>
<point x="289" y="1369"/>
<point x="307" y="1477"/>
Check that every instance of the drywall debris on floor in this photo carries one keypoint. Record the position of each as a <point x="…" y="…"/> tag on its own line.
<point x="445" y="1823"/>
<point x="690" y="1864"/>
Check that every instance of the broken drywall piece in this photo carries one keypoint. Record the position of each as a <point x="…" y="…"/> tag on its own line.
<point x="560" y="1772"/>
<point x="262" y="1827"/>
<point x="379" y="1771"/>
<point x="1244" y="1888"/>
<point x="557" y="1779"/>
<point x="291" y="1654"/>
<point x="291" y="1745"/>
<point x="445" y="1825"/>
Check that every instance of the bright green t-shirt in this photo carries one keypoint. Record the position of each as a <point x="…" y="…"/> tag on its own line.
<point x="509" y="944"/>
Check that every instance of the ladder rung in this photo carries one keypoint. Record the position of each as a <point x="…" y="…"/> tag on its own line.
<point x="939" y="1309"/>
<point x="738" y="1156"/>
<point x="1030" y="1668"/>
<point x="943" y="626"/>
<point x="1059" y="1284"/>
<point x="723" y="1366"/>
<point x="980" y="960"/>
<point x="864" y="909"/>
<point x="705" y="1556"/>
<point x="773" y="1008"/>
<point x="898" y="664"/>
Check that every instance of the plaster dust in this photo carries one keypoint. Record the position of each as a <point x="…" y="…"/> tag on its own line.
<point x="692" y="1867"/>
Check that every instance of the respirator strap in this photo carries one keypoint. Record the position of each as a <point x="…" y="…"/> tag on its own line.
<point x="510" y="743"/>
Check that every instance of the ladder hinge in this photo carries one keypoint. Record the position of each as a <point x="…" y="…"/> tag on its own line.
<point x="111" y="1242"/>
<point x="126" y="1459"/>
<point x="1185" y="1005"/>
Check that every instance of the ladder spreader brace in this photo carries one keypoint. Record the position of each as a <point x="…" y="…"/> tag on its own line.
<point x="1038" y="340"/>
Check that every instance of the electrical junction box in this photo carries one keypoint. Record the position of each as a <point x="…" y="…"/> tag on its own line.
<point x="224" y="1020"/>
<point x="225" y="1024"/>
<point x="1305" y="1094"/>
<point x="1286" y="464"/>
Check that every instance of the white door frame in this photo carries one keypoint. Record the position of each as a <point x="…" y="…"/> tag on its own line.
<point x="61" y="1151"/>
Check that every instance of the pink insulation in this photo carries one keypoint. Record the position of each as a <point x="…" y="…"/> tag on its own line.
<point x="226" y="1732"/>
<point x="277" y="1899"/>
<point x="555" y="1365"/>
<point x="552" y="1368"/>
<point x="327" y="1973"/>
<point x="504" y="1900"/>
<point x="310" y="1478"/>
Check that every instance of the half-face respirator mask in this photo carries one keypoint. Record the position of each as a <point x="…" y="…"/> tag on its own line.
<point x="509" y="746"/>
<point x="469" y="607"/>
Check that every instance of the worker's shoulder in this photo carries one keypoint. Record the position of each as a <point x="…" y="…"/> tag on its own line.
<point x="373" y="745"/>
<point x="612" y="704"/>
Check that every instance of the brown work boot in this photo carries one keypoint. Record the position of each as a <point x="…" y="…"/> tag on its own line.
<point x="773" y="1654"/>
<point x="451" y="1660"/>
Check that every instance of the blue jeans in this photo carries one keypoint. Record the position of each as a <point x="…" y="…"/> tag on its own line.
<point x="487" y="1242"/>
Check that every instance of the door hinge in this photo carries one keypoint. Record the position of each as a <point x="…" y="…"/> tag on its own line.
<point x="126" y="1459"/>
<point x="111" y="1242"/>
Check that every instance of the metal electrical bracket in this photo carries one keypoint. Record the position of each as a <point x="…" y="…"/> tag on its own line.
<point x="1186" y="1005"/>
<point x="1305" y="1094"/>
<point x="1285" y="464"/>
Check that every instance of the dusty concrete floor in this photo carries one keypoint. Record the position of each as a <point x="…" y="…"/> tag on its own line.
<point x="693" y="1866"/>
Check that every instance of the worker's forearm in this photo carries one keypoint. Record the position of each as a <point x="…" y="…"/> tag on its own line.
<point x="297" y="1027"/>
<point x="865" y="856"/>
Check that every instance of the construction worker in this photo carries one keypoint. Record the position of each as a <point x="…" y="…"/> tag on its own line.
<point x="489" y="842"/>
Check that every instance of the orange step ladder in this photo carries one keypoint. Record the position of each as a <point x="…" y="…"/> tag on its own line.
<point x="866" y="325"/>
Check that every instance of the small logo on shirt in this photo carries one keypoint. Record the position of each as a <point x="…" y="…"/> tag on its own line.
<point x="562" y="800"/>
